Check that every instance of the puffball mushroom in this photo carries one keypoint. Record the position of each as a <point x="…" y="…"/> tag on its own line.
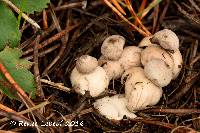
<point x="178" y="61"/>
<point x="95" y="81"/>
<point x="130" y="57"/>
<point x="158" y="72"/>
<point x="111" y="50"/>
<point x="113" y="69"/>
<point x="114" y="107"/>
<point x="112" y="47"/>
<point x="86" y="64"/>
<point x="156" y="52"/>
<point x="140" y="91"/>
<point x="145" y="42"/>
<point x="167" y="39"/>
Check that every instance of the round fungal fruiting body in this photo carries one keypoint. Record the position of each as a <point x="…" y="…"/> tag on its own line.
<point x="167" y="39"/>
<point x="178" y="62"/>
<point x="114" y="107"/>
<point x="140" y="91"/>
<point x="146" y="42"/>
<point x="112" y="47"/>
<point x="158" y="72"/>
<point x="113" y="69"/>
<point x="130" y="57"/>
<point x="95" y="82"/>
<point x="145" y="94"/>
<point x="86" y="64"/>
<point x="156" y="52"/>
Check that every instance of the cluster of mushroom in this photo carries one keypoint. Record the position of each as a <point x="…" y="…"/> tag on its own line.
<point x="147" y="68"/>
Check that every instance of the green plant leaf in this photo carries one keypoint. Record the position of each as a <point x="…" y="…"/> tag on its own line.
<point x="29" y="6"/>
<point x="18" y="68"/>
<point x="9" y="33"/>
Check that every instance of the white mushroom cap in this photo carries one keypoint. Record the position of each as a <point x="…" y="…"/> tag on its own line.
<point x="112" y="47"/>
<point x="145" y="94"/>
<point x="178" y="61"/>
<point x="131" y="75"/>
<point x="95" y="82"/>
<point x="158" y="72"/>
<point x="156" y="52"/>
<point x="86" y="64"/>
<point x="113" y="69"/>
<point x="146" y="42"/>
<point x="139" y="90"/>
<point x="102" y="60"/>
<point x="130" y="57"/>
<point x="167" y="39"/>
<point x="114" y="107"/>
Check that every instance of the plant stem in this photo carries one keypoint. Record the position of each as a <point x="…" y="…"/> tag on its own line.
<point x="31" y="21"/>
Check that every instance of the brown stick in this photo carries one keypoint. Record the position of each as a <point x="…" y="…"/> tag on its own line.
<point x="118" y="7"/>
<point x="39" y="90"/>
<point x="126" y="20"/>
<point x="44" y="20"/>
<point x="174" y="111"/>
<point x="64" y="40"/>
<point x="52" y="39"/>
<point x="20" y="92"/>
<point x="141" y="9"/>
<point x="136" y="17"/>
<point x="153" y="122"/>
<point x="43" y="53"/>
